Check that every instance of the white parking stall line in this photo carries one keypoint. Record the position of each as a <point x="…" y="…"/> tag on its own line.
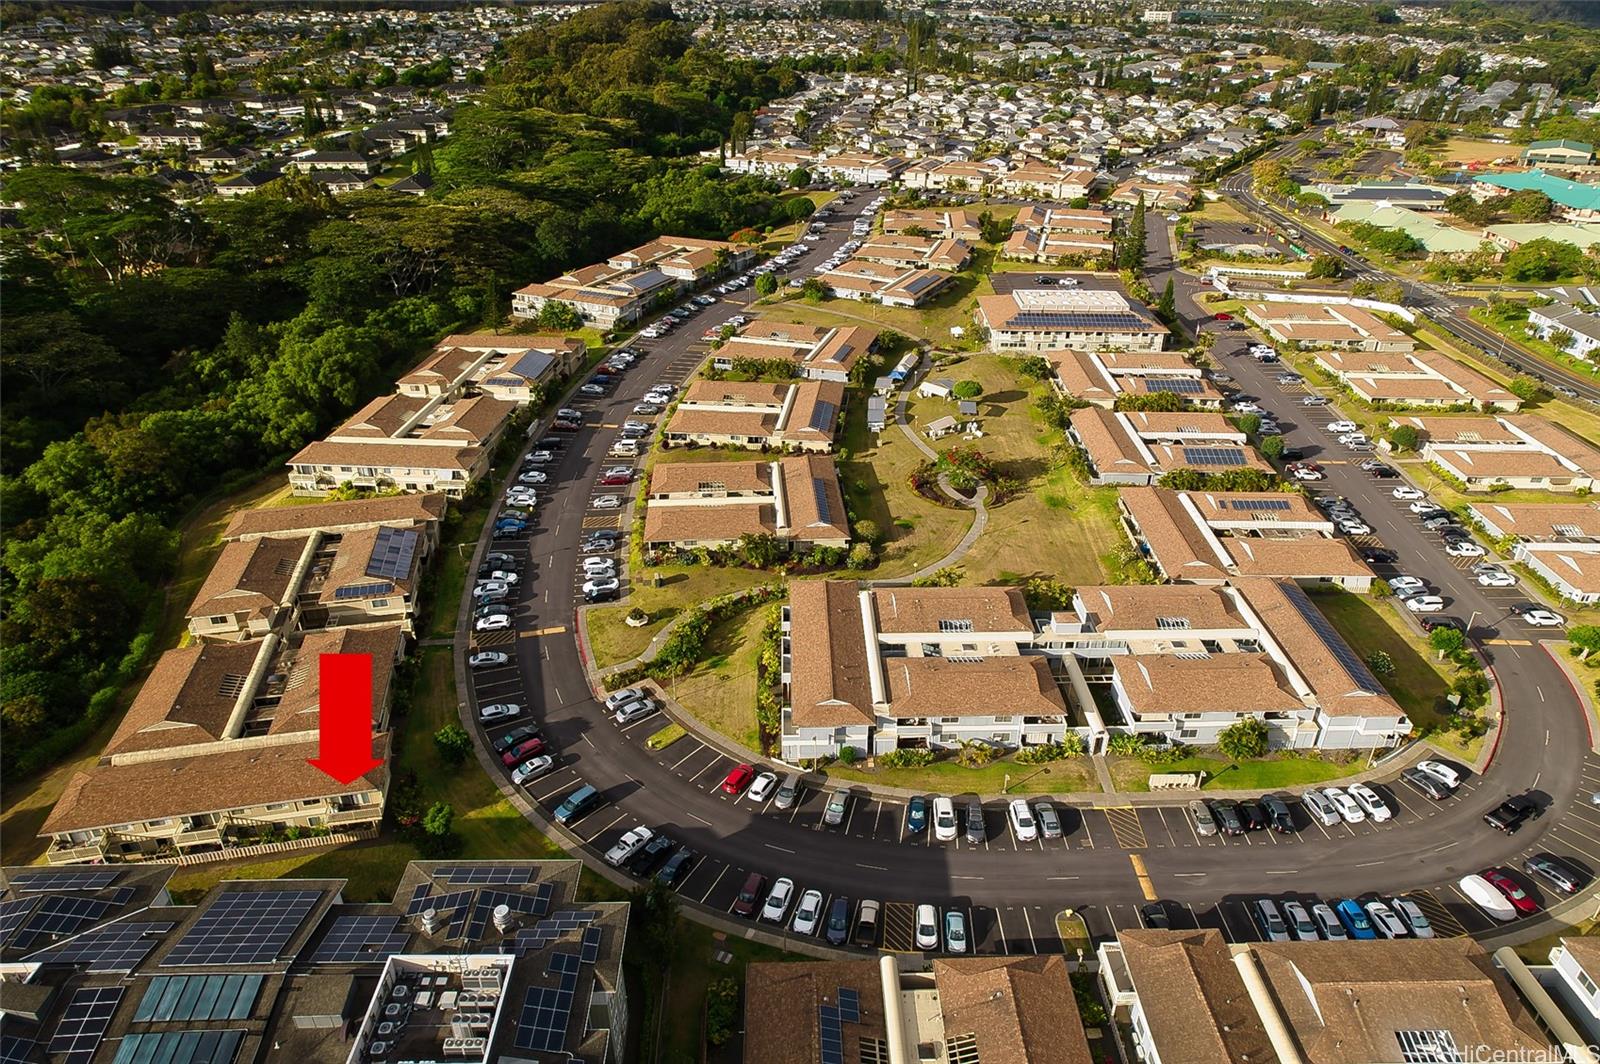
<point x="614" y="821"/>
<point x="998" y="923"/>
<point x="1033" y="946"/>
<point x="698" y="749"/>
<point x="714" y="883"/>
<point x="715" y="758"/>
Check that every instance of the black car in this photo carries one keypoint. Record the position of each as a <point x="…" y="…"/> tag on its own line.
<point x="1431" y="786"/>
<point x="1254" y="817"/>
<point x="648" y="856"/>
<point x="1155" y="916"/>
<point x="1379" y="555"/>
<point x="1229" y="820"/>
<point x="1555" y="871"/>
<point x="1384" y="472"/>
<point x="838" y="921"/>
<point x="1292" y="454"/>
<point x="550" y="443"/>
<point x="677" y="868"/>
<point x="1279" y="818"/>
<point x="1512" y="813"/>
<point x="1235" y="326"/>
<point x="1430" y="623"/>
<point x="515" y="737"/>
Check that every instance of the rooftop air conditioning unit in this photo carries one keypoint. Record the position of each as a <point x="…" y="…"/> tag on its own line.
<point x="378" y="1050"/>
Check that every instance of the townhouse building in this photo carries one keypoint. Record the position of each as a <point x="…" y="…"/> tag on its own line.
<point x="1037" y="320"/>
<point x="1343" y="327"/>
<point x="630" y="284"/>
<point x="802" y="416"/>
<point x="1136" y="447"/>
<point x="511" y="368"/>
<point x="1101" y="377"/>
<point x="1044" y="233"/>
<point x="946" y="223"/>
<point x="817" y="352"/>
<point x="796" y="500"/>
<point x="1578" y="329"/>
<point x="1037" y="181"/>
<point x="1516" y="450"/>
<point x="1416" y="378"/>
<point x="1559" y="541"/>
<point x="916" y="252"/>
<point x="891" y="285"/>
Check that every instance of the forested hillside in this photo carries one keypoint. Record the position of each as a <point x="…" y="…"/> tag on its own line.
<point x="156" y="353"/>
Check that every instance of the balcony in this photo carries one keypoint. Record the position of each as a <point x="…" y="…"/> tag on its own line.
<point x="367" y="814"/>
<point x="62" y="855"/>
<point x="208" y="836"/>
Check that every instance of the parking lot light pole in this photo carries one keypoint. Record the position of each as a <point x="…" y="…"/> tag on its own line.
<point x="1468" y="632"/>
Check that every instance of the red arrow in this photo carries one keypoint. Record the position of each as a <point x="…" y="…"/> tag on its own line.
<point x="344" y="747"/>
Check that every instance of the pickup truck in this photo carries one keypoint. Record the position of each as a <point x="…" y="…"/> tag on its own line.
<point x="866" y="929"/>
<point x="1510" y="814"/>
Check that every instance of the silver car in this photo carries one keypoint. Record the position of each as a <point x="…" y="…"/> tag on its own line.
<point x="1301" y="926"/>
<point x="838" y="802"/>
<point x="1205" y="822"/>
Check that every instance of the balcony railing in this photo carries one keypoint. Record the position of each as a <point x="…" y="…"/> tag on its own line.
<point x="366" y="814"/>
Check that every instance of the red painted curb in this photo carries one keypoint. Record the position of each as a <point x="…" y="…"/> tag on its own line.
<point x="1577" y="696"/>
<point x="1499" y="733"/>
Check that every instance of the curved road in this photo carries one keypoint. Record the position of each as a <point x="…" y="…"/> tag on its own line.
<point x="1012" y="890"/>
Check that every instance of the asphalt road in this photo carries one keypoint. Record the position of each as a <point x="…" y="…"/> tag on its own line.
<point x="1109" y="860"/>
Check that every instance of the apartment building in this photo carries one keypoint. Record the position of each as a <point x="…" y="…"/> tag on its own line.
<point x="419" y="512"/>
<point x="1210" y="537"/>
<point x="883" y="668"/>
<point x="1139" y="447"/>
<point x="1037" y="320"/>
<point x="817" y="352"/>
<point x="916" y="252"/>
<point x="630" y="284"/>
<point x="1045" y="233"/>
<point x="1517" y="450"/>
<point x="857" y="169"/>
<point x="1191" y="998"/>
<point x="1416" y="378"/>
<point x="510" y="368"/>
<point x="776" y="163"/>
<point x="893" y="286"/>
<point x="1559" y="541"/>
<point x="1326" y="325"/>
<point x="1015" y="1009"/>
<point x="713" y="504"/>
<point x="949" y="175"/>
<point x="1578" y="329"/>
<point x="1157" y="195"/>
<point x="1101" y="377"/>
<point x="947" y="223"/>
<point x="1038" y="181"/>
<point x="469" y="961"/>
<point x="216" y="749"/>
<point x="803" y="416"/>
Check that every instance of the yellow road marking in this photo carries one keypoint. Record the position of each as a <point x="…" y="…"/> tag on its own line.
<point x="1125" y="825"/>
<point x="1144" y="877"/>
<point x="611" y="426"/>
<point x="537" y="632"/>
<point x="1509" y="642"/>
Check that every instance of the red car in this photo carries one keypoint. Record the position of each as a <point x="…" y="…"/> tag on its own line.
<point x="738" y="780"/>
<point x="617" y="477"/>
<point x="1514" y="894"/>
<point x="522" y="751"/>
<point x="1222" y="317"/>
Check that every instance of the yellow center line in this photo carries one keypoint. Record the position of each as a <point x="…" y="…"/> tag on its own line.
<point x="556" y="630"/>
<point x="1144" y="877"/>
<point x="1509" y="642"/>
<point x="611" y="426"/>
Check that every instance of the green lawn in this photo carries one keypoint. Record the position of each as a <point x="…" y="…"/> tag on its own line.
<point x="1133" y="774"/>
<point x="450" y="576"/>
<point x="682" y="586"/>
<point x="721" y="691"/>
<point x="1074" y="775"/>
<point x="953" y="306"/>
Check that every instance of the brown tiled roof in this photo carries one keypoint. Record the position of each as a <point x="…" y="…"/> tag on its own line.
<point x="946" y="687"/>
<point x="1164" y="424"/>
<point x="708" y="524"/>
<point x="1576" y="570"/>
<point x="814" y="500"/>
<point x="812" y="400"/>
<point x="1052" y="218"/>
<point x="107" y="795"/>
<point x="1560" y="440"/>
<point x="387" y="455"/>
<point x="1079" y="376"/>
<point x="676" y="478"/>
<point x="1222" y="683"/>
<point x="250" y="576"/>
<point x="1109" y="447"/>
<point x="1136" y="608"/>
<point x="1178" y="545"/>
<point x="472" y="421"/>
<point x="1296" y="557"/>
<point x="336" y="516"/>
<point x="382" y="418"/>
<point x="187" y="698"/>
<point x="920" y="609"/>
<point x="739" y="393"/>
<point x="829" y="684"/>
<point x="1456" y="429"/>
<point x="781" y="1002"/>
<point x="1194" y="999"/>
<point x="1345" y="1003"/>
<point x="698" y="421"/>
<point x="349" y="567"/>
<point x="1541" y="521"/>
<point x="1021" y="1010"/>
<point x="300" y="706"/>
<point x="1518" y="462"/>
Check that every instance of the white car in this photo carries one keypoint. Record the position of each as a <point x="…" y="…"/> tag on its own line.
<point x="1307" y="473"/>
<point x="807" y="914"/>
<point x="1371" y="801"/>
<point x="1402" y="584"/>
<point x="630" y="844"/>
<point x="1496" y="578"/>
<point x="777" y="903"/>
<point x="488" y="659"/>
<point x="498" y="711"/>
<point x="1247" y="408"/>
<point x="1349" y="811"/>
<point x="1422" y="506"/>
<point x="1411" y="913"/>
<point x="1445" y="774"/>
<point x="606" y="502"/>
<point x="762" y="787"/>
<point x="1463" y="548"/>
<point x="1425" y="604"/>
<point x="1543" y="619"/>
<point x="1354" y="526"/>
<point x="617" y="699"/>
<point x="597" y="564"/>
<point x="505" y="576"/>
<point x="1384" y="920"/>
<point x="602" y="586"/>
<point x="1022" y="822"/>
<point x="1405" y="492"/>
<point x="1353" y="439"/>
<point x="498" y="622"/>
<point x="634" y="711"/>
<point x="532" y="769"/>
<point x="1482" y="893"/>
<point x="1340" y="427"/>
<point x="533" y="476"/>
<point x="928" y="927"/>
<point x="491" y="587"/>
<point x="945" y="826"/>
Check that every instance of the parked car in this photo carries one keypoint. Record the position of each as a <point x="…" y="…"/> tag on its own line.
<point x="788" y="791"/>
<point x="1155" y="916"/>
<point x="1279" y="817"/>
<point x="515" y="755"/>
<point x="632" y="711"/>
<point x="532" y="769"/>
<point x="865" y="935"/>
<point x="1412" y="914"/>
<point x="1265" y="913"/>
<point x="577" y="804"/>
<point x="737" y="779"/>
<point x="838" y="802"/>
<point x="1350" y="811"/>
<point x="1354" y="918"/>
<point x="1226" y="810"/>
<point x="1558" y="872"/>
<point x="916" y="815"/>
<point x="762" y="786"/>
<point x="1520" y="899"/>
<point x="630" y="844"/>
<point x="838" y="921"/>
<point x="678" y="867"/>
<point x="1301" y="926"/>
<point x="955" y="932"/>
<point x="1429" y="785"/>
<point x="1446" y="774"/>
<point x="497" y="711"/>
<point x="1254" y="817"/>
<point x="1543" y="618"/>
<point x="1049" y="821"/>
<point x="1205" y="824"/>
<point x="1370" y="802"/>
<point x="927" y="927"/>
<point x="1328" y="923"/>
<point x="1321" y="808"/>
<point x="1485" y="896"/>
<point x="1384" y="920"/>
<point x="748" y="900"/>
<point x="1511" y="814"/>
<point x="1425" y="604"/>
<point x="807" y="914"/>
<point x="1023" y="825"/>
<point x="776" y="907"/>
<point x="1496" y="578"/>
<point x="977" y="831"/>
<point x="1407" y="492"/>
<point x="515" y="737"/>
<point x="488" y="659"/>
<point x="945" y="826"/>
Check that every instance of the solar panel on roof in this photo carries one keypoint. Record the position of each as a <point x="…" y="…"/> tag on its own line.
<point x="361" y="940"/>
<point x="590" y="950"/>
<point x="244" y="927"/>
<point x="115" y="947"/>
<point x="84" y="1023"/>
<point x="1080" y="320"/>
<point x="1354" y="667"/>
<point x="1259" y="504"/>
<point x="1213" y="456"/>
<point x="547" y="1010"/>
<point x="822" y="415"/>
<point x="198" y="997"/>
<point x="58" y="915"/>
<point x="16" y="1049"/>
<point x="361" y="591"/>
<point x="393" y="551"/>
<point x="849" y="1005"/>
<point x="179" y="1047"/>
<point x="830" y="1035"/>
<point x="1175" y="385"/>
<point x="548" y="930"/>
<point x="63" y="879"/>
<point x="535" y="904"/>
<point x="819" y="491"/>
<point x="13" y="914"/>
<point x="484" y="873"/>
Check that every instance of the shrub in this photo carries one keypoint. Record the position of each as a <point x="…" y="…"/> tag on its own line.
<point x="1043" y="753"/>
<point x="1381" y="663"/>
<point x="1035" y="368"/>
<point x="910" y="757"/>
<point x="453" y="743"/>
<point x="848" y="755"/>
<point x="862" y="556"/>
<point x="967" y="390"/>
<point x="1244" y="740"/>
<point x="722" y="1010"/>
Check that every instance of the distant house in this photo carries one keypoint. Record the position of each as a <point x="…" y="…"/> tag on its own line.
<point x="939" y="388"/>
<point x="877" y="413"/>
<point x="622" y="289"/>
<point x="1558" y="153"/>
<point x="413" y="184"/>
<point x="1584" y="328"/>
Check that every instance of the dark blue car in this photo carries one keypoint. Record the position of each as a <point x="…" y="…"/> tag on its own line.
<point x="1354" y="918"/>
<point x="916" y="815"/>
